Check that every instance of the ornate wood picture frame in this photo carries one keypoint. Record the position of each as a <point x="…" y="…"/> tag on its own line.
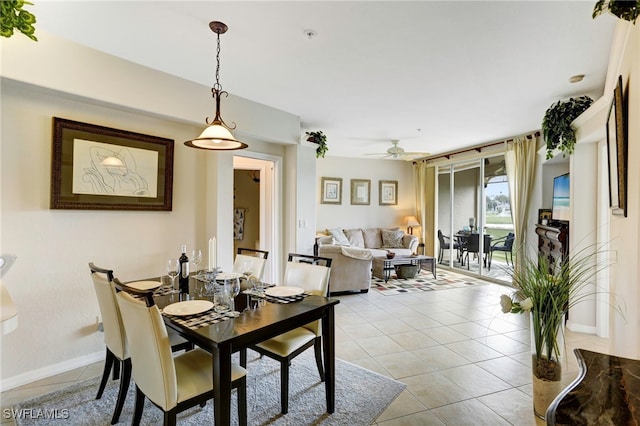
<point x="617" y="152"/>
<point x="361" y="192"/>
<point x="331" y="190"/>
<point x="100" y="168"/>
<point x="388" y="192"/>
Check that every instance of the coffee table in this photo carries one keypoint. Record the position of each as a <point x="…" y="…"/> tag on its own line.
<point x="382" y="266"/>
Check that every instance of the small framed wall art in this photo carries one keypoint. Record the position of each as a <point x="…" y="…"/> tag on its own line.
<point x="331" y="191"/>
<point x="388" y="192"/>
<point x="100" y="168"/>
<point x="360" y="191"/>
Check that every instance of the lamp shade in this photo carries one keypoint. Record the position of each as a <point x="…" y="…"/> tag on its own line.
<point x="411" y="221"/>
<point x="216" y="137"/>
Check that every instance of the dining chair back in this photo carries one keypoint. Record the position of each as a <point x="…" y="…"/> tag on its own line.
<point x="115" y="337"/>
<point x="445" y="244"/>
<point x="312" y="274"/>
<point x="473" y="246"/>
<point x="173" y="384"/>
<point x="257" y="265"/>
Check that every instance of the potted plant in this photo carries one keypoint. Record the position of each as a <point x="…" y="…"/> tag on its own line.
<point x="623" y="9"/>
<point x="547" y="298"/>
<point x="319" y="138"/>
<point x="556" y="125"/>
<point x="13" y="16"/>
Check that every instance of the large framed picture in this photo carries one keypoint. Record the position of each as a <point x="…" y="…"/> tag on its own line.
<point x="331" y="190"/>
<point x="617" y="152"/>
<point x="388" y="192"/>
<point x="100" y="168"/>
<point x="360" y="191"/>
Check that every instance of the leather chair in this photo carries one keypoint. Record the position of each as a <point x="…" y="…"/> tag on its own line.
<point x="173" y="384"/>
<point x="115" y="339"/>
<point x="504" y="244"/>
<point x="258" y="259"/>
<point x="312" y="274"/>
<point x="445" y="244"/>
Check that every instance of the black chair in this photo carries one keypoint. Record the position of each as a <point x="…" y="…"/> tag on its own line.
<point x="253" y="252"/>
<point x="445" y="244"/>
<point x="504" y="244"/>
<point x="473" y="246"/>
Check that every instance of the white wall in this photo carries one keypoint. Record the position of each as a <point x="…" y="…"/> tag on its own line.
<point x="346" y="215"/>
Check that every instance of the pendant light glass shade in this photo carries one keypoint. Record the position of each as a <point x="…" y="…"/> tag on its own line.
<point x="217" y="136"/>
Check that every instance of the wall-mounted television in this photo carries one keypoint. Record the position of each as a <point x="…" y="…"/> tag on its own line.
<point x="560" y="209"/>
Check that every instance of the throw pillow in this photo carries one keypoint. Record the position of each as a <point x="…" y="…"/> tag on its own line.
<point x="392" y="239"/>
<point x="339" y="236"/>
<point x="355" y="237"/>
<point x="372" y="238"/>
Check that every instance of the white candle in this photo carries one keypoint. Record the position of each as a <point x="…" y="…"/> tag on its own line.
<point x="215" y="253"/>
<point x="211" y="253"/>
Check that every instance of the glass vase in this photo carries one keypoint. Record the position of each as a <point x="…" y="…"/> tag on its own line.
<point x="547" y="355"/>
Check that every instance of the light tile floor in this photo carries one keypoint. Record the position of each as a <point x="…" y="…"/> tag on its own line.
<point x="463" y="361"/>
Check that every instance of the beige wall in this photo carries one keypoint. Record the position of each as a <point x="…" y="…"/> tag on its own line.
<point x="247" y="197"/>
<point x="373" y="215"/>
<point x="50" y="284"/>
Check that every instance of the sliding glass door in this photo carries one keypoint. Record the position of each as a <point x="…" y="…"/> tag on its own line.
<point x="474" y="216"/>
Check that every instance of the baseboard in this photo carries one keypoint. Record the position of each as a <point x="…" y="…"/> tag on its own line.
<point x="579" y="328"/>
<point x="50" y="370"/>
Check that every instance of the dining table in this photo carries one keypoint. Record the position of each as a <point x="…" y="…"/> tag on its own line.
<point x="251" y="326"/>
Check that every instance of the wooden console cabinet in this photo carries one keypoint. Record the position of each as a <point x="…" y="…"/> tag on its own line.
<point x="553" y="244"/>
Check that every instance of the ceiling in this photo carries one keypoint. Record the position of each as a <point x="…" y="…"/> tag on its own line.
<point x="436" y="75"/>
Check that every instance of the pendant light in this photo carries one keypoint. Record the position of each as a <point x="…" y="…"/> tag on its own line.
<point x="217" y="136"/>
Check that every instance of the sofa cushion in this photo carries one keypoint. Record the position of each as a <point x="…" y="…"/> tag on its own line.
<point x="392" y="239"/>
<point x="372" y="238"/>
<point x="339" y="236"/>
<point x="355" y="237"/>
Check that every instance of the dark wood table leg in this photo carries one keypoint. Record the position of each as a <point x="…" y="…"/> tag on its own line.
<point x="222" y="385"/>
<point x="328" y="346"/>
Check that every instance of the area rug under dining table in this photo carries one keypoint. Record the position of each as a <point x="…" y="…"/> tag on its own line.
<point x="361" y="396"/>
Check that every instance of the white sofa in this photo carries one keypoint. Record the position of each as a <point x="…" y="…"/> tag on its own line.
<point x="352" y="251"/>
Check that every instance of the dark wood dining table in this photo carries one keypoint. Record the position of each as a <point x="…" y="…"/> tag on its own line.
<point x="253" y="326"/>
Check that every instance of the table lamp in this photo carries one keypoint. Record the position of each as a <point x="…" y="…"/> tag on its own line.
<point x="410" y="222"/>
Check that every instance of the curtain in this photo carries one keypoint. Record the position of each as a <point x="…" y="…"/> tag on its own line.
<point x="520" y="161"/>
<point x="424" y="184"/>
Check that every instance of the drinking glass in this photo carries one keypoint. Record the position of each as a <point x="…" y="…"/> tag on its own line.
<point x="246" y="268"/>
<point x="196" y="258"/>
<point x="173" y="269"/>
<point x="221" y="299"/>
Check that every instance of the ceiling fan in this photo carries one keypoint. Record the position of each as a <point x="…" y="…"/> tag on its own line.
<point x="396" y="151"/>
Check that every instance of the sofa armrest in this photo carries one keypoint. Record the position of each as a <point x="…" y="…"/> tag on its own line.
<point x="410" y="242"/>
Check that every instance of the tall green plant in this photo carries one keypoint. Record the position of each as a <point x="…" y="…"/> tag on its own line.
<point x="548" y="297"/>
<point x="556" y="125"/>
<point x="13" y="16"/>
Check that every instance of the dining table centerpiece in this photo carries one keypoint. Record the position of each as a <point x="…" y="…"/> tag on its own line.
<point x="546" y="291"/>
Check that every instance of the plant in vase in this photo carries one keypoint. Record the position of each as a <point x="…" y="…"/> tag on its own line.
<point x="546" y="292"/>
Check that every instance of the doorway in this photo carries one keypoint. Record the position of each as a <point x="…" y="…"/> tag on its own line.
<point x="255" y="208"/>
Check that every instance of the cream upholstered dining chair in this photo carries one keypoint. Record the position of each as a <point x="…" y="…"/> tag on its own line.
<point x="173" y="384"/>
<point x="257" y="258"/>
<point x="115" y="337"/>
<point x="312" y="274"/>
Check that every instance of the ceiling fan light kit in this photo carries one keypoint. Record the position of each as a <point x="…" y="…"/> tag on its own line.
<point x="217" y="136"/>
<point x="396" y="152"/>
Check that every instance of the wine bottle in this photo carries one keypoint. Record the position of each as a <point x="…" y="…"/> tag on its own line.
<point x="184" y="271"/>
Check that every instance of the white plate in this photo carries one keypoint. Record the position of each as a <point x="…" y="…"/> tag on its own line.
<point x="283" y="291"/>
<point x="145" y="285"/>
<point x="188" y="307"/>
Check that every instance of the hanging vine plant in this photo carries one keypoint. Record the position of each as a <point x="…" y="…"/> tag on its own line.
<point x="623" y="9"/>
<point x="319" y="138"/>
<point x="556" y="125"/>
<point x="13" y="16"/>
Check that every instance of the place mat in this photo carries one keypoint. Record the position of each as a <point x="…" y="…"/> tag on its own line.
<point x="276" y="299"/>
<point x="200" y="320"/>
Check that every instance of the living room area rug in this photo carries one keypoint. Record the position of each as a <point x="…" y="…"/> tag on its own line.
<point x="423" y="281"/>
